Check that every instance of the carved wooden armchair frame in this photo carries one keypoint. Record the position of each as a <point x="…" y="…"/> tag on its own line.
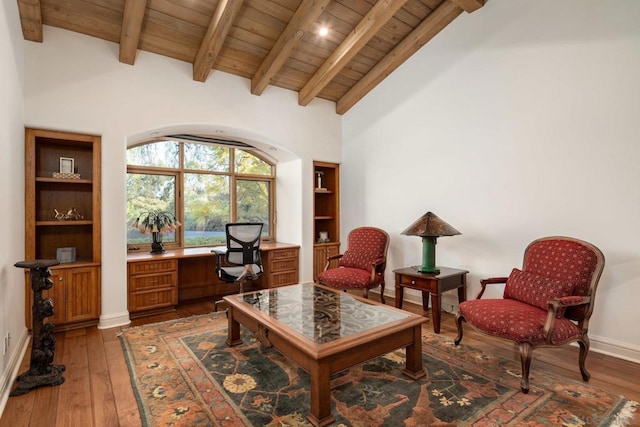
<point x="373" y="263"/>
<point x="567" y="316"/>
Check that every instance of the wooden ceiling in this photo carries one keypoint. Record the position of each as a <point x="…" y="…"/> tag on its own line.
<point x="271" y="42"/>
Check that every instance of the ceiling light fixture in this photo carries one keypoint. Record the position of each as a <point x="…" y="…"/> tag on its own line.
<point x="323" y="31"/>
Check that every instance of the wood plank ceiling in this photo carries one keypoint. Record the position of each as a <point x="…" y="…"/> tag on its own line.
<point x="270" y="42"/>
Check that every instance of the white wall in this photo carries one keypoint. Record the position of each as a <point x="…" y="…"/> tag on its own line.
<point x="12" y="195"/>
<point x="75" y="83"/>
<point x="518" y="121"/>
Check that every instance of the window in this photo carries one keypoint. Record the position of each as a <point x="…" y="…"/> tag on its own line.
<point x="205" y="185"/>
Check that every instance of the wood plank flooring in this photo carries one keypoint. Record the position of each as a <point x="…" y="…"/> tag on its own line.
<point x="97" y="391"/>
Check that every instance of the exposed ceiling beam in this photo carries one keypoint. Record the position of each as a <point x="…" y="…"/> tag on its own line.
<point x="219" y="27"/>
<point x="31" y="19"/>
<point x="131" y="27"/>
<point x="300" y="23"/>
<point x="432" y="25"/>
<point x="360" y="36"/>
<point x="469" y="5"/>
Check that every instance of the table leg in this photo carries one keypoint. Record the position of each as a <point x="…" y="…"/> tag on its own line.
<point x="425" y="300"/>
<point x="320" y="413"/>
<point x="462" y="290"/>
<point x="435" y="311"/>
<point x="414" y="368"/>
<point x="233" y="334"/>
<point x="399" y="293"/>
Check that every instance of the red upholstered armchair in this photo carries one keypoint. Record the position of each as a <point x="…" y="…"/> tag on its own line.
<point x="363" y="263"/>
<point x="547" y="303"/>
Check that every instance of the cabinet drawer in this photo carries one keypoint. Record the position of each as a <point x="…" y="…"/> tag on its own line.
<point x="283" y="279"/>
<point x="152" y="281"/>
<point x="284" y="264"/>
<point x="284" y="253"/>
<point x="149" y="300"/>
<point x="153" y="266"/>
<point x="414" y="282"/>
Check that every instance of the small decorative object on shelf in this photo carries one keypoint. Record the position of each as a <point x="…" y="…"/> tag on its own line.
<point x="156" y="222"/>
<point x="319" y="175"/>
<point x="67" y="169"/>
<point x="71" y="215"/>
<point x="66" y="255"/>
<point x="41" y="371"/>
<point x="66" y="175"/>
<point x="67" y="165"/>
<point x="324" y="237"/>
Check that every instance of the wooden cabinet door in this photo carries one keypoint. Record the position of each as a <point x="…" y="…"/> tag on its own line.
<point x="320" y="255"/>
<point x="82" y="294"/>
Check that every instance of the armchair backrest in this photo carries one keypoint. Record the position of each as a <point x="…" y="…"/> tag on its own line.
<point x="364" y="246"/>
<point x="569" y="260"/>
<point x="243" y="243"/>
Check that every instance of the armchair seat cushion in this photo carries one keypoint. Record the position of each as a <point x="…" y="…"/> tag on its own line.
<point x="516" y="320"/>
<point x="347" y="277"/>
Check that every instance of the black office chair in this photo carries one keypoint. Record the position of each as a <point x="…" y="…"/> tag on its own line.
<point x="240" y="260"/>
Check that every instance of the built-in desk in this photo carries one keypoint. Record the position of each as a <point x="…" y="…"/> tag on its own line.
<point x="159" y="282"/>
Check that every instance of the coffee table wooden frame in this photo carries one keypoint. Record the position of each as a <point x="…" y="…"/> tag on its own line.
<point x="323" y="360"/>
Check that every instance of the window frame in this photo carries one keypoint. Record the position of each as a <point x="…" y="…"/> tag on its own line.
<point x="234" y="176"/>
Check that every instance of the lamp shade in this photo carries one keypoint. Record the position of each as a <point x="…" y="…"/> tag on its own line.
<point x="430" y="224"/>
<point x="429" y="227"/>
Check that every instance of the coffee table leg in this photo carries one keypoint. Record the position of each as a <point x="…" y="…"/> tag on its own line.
<point x="233" y="334"/>
<point x="414" y="368"/>
<point x="320" y="413"/>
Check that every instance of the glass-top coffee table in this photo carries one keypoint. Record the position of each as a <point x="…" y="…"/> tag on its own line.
<point x="325" y="331"/>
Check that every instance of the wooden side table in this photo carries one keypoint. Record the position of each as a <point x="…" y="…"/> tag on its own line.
<point x="434" y="284"/>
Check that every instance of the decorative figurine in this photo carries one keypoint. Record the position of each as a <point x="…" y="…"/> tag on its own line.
<point x="319" y="175"/>
<point x="72" y="214"/>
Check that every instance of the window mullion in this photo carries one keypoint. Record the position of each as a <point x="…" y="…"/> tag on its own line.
<point x="233" y="202"/>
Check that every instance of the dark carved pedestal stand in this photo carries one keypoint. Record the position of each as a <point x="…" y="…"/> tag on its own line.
<point x="41" y="369"/>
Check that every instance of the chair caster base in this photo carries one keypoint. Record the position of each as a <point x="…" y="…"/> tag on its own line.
<point x="219" y="303"/>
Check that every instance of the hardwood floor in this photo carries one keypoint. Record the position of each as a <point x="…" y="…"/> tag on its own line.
<point x="97" y="391"/>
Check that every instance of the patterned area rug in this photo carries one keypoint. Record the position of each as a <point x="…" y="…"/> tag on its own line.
<point x="184" y="374"/>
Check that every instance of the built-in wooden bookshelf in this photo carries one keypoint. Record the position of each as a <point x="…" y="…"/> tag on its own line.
<point x="62" y="221"/>
<point x="326" y="213"/>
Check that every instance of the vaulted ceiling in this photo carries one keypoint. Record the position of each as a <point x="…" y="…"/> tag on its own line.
<point x="271" y="42"/>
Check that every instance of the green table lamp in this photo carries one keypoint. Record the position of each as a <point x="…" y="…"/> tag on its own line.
<point x="429" y="227"/>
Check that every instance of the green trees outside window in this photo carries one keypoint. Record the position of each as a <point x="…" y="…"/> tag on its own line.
<point x="205" y="185"/>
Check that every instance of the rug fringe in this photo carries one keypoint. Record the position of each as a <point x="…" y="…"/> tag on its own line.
<point x="625" y="415"/>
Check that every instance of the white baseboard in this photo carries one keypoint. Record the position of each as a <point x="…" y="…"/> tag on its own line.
<point x="10" y="374"/>
<point x="615" y="348"/>
<point x="114" y="320"/>
<point x="599" y="344"/>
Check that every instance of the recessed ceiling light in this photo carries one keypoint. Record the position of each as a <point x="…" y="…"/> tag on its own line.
<point x="323" y="31"/>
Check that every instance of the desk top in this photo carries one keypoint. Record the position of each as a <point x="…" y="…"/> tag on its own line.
<point x="197" y="252"/>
